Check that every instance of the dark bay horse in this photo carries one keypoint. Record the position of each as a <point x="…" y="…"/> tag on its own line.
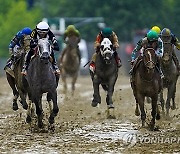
<point x="14" y="77"/>
<point x="146" y="82"/>
<point x="106" y="74"/>
<point x="171" y="75"/>
<point x="41" y="79"/>
<point x="70" y="63"/>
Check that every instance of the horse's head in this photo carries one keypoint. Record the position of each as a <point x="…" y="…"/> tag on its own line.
<point x="106" y="50"/>
<point x="149" y="58"/>
<point x="44" y="48"/>
<point x="167" y="55"/>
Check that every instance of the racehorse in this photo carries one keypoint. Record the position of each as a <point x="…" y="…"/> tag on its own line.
<point x="14" y="77"/>
<point x="146" y="82"/>
<point x="41" y="79"/>
<point x="105" y="74"/>
<point x="170" y="77"/>
<point x="70" y="63"/>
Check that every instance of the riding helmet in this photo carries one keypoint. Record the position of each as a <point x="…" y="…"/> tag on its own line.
<point x="106" y="32"/>
<point x="42" y="27"/>
<point x="26" y="31"/>
<point x="152" y="35"/>
<point x="156" y="29"/>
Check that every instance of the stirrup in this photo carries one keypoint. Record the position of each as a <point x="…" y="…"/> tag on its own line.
<point x="24" y="72"/>
<point x="92" y="67"/>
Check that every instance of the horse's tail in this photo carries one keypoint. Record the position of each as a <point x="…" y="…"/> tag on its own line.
<point x="104" y="86"/>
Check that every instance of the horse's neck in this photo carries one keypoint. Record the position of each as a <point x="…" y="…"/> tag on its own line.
<point x="39" y="66"/>
<point x="144" y="73"/>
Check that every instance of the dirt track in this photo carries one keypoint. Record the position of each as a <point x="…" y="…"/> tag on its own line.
<point x="80" y="128"/>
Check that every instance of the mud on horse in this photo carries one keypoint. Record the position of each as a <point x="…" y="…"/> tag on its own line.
<point x="105" y="74"/>
<point x="146" y="82"/>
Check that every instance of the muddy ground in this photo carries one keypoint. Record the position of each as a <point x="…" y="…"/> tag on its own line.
<point x="80" y="128"/>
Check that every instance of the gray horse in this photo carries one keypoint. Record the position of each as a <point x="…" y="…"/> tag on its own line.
<point x="105" y="74"/>
<point x="70" y="62"/>
<point x="171" y="75"/>
<point x="41" y="79"/>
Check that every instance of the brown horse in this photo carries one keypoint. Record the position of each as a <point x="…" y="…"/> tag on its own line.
<point x="70" y="63"/>
<point x="171" y="75"/>
<point x="146" y="82"/>
<point x="15" y="78"/>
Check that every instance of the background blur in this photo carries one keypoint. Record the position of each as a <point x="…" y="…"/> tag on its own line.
<point x="130" y="19"/>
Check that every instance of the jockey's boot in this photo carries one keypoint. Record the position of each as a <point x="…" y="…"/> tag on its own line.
<point x="160" y="71"/>
<point x="25" y="67"/>
<point x="79" y="53"/>
<point x="56" y="68"/>
<point x="118" y="60"/>
<point x="92" y="66"/>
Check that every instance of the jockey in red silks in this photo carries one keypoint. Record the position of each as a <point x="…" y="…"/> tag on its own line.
<point x="105" y="33"/>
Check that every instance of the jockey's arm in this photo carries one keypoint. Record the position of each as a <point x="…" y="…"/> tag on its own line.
<point x="136" y="49"/>
<point x="175" y="41"/>
<point x="160" y="49"/>
<point x="14" y="42"/>
<point x="115" y="41"/>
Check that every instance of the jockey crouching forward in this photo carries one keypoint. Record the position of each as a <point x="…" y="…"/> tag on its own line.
<point x="168" y="37"/>
<point x="105" y="33"/>
<point x="41" y="31"/>
<point x="16" y="44"/>
<point x="71" y="31"/>
<point x="152" y="40"/>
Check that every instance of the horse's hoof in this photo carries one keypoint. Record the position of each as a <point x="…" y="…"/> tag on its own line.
<point x="110" y="106"/>
<point x="25" y="106"/>
<point x="158" y="117"/>
<point x="94" y="104"/>
<point x="173" y="107"/>
<point x="51" y="120"/>
<point x="15" y="106"/>
<point x="137" y="113"/>
<point x="40" y="125"/>
<point x="28" y="119"/>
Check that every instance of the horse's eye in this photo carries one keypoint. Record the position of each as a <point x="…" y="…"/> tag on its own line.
<point x="102" y="46"/>
<point x="111" y="46"/>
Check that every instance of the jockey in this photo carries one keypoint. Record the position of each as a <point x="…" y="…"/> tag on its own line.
<point x="16" y="43"/>
<point x="105" y="33"/>
<point x="41" y="31"/>
<point x="168" y="37"/>
<point x="151" y="40"/>
<point x="69" y="32"/>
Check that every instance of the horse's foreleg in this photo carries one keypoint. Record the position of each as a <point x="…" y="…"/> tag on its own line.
<point x="140" y="101"/>
<point x="39" y="111"/>
<point x="64" y="82"/>
<point x="96" y="95"/>
<point x="153" y="113"/>
<point x="74" y="79"/>
<point x="173" y="107"/>
<point x="162" y="102"/>
<point x="169" y="97"/>
<point x="12" y="84"/>
<point x="23" y="100"/>
<point x="55" y="109"/>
